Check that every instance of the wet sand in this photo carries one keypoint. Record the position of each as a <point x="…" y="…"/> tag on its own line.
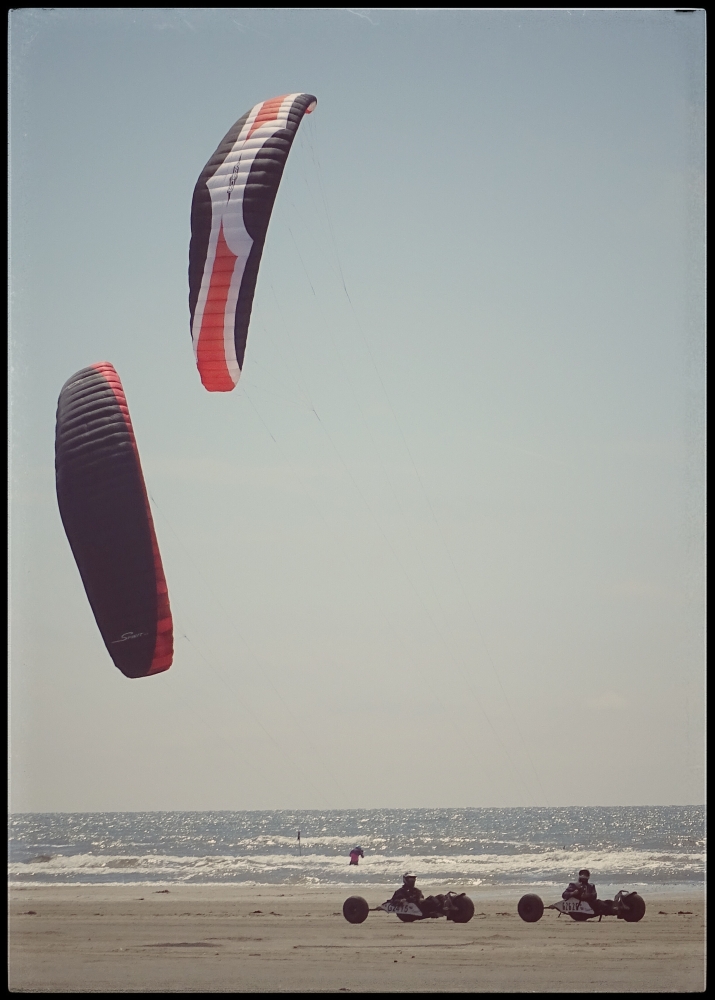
<point x="227" y="939"/>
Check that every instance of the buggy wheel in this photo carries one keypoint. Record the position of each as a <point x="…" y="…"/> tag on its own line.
<point x="531" y="908"/>
<point x="407" y="918"/>
<point x="355" y="909"/>
<point x="463" y="909"/>
<point x="579" y="916"/>
<point x="633" y="908"/>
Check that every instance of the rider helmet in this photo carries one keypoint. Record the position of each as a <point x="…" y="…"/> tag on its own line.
<point x="409" y="879"/>
<point x="584" y="875"/>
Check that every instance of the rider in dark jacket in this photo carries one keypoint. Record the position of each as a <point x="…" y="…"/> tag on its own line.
<point x="583" y="889"/>
<point x="408" y="891"/>
<point x="431" y="906"/>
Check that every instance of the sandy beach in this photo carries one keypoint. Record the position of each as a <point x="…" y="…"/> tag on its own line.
<point x="227" y="939"/>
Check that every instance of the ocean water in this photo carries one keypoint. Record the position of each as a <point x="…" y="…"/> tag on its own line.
<point x="658" y="845"/>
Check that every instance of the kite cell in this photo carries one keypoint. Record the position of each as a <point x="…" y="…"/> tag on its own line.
<point x="105" y="511"/>
<point x="230" y="212"/>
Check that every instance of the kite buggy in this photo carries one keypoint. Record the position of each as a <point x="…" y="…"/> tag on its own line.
<point x="580" y="900"/>
<point x="409" y="904"/>
<point x="628" y="906"/>
<point x="455" y="906"/>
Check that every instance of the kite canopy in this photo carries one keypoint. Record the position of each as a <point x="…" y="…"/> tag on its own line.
<point x="230" y="212"/>
<point x="105" y="512"/>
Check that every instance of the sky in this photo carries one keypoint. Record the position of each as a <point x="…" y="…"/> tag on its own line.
<point x="444" y="543"/>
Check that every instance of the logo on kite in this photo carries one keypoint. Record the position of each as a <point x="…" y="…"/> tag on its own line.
<point x="230" y="211"/>
<point x="130" y="635"/>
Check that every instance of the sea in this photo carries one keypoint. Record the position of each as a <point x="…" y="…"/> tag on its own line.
<point x="627" y="847"/>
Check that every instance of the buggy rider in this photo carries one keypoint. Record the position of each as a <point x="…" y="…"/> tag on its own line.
<point x="431" y="906"/>
<point x="408" y="891"/>
<point x="586" y="891"/>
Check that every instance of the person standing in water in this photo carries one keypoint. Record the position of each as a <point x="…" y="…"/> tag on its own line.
<point x="355" y="855"/>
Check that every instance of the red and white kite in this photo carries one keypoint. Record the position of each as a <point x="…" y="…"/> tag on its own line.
<point x="230" y="211"/>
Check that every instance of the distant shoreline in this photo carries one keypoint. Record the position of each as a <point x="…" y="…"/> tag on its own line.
<point x="604" y="887"/>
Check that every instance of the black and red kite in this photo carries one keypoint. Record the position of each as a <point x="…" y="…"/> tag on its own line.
<point x="231" y="208"/>
<point x="105" y="511"/>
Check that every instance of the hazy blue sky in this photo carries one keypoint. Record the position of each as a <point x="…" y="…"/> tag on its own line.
<point x="443" y="545"/>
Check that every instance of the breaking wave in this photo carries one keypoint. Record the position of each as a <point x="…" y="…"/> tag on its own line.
<point x="657" y="845"/>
